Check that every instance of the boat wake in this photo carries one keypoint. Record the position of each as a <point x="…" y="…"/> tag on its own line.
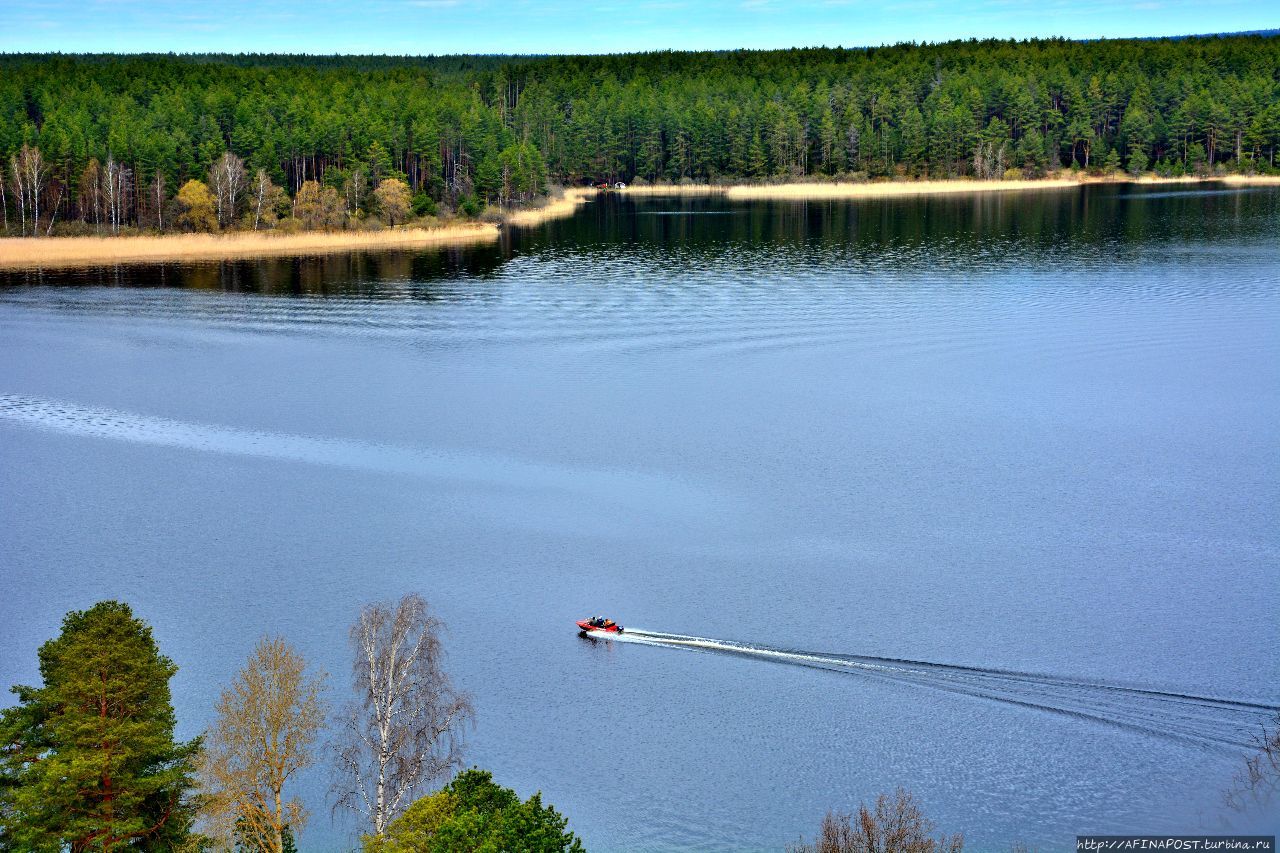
<point x="1206" y="721"/>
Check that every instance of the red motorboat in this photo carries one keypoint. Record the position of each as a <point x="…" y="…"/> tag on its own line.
<point x="599" y="625"/>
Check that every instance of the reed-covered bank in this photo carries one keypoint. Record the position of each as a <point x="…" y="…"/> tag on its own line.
<point x="557" y="208"/>
<point x="19" y="252"/>
<point x="23" y="252"/>
<point x="813" y="190"/>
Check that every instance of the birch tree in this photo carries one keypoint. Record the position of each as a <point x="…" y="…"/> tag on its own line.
<point x="267" y="200"/>
<point x="15" y="176"/>
<point x="116" y="180"/>
<point x="404" y="730"/>
<point x="90" y="198"/>
<point x="157" y="197"/>
<point x="33" y="170"/>
<point x="28" y="175"/>
<point x="264" y="735"/>
<point x="227" y="179"/>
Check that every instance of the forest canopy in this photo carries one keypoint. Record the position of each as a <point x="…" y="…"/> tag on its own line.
<point x="465" y="131"/>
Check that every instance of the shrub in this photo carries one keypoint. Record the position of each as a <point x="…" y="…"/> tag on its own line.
<point x="474" y="813"/>
<point x="424" y="205"/>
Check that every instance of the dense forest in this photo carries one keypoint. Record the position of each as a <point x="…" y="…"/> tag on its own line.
<point x="108" y="141"/>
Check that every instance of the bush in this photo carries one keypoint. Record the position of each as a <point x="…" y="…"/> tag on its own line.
<point x="289" y="225"/>
<point x="75" y="228"/>
<point x="424" y="205"/>
<point x="1013" y="174"/>
<point x="474" y="813"/>
<point x="469" y="206"/>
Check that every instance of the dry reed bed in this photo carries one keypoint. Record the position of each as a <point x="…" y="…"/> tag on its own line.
<point x="87" y="251"/>
<point x="557" y="209"/>
<point x="888" y="189"/>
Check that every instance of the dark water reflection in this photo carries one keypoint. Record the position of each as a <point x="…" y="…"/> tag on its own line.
<point x="975" y="495"/>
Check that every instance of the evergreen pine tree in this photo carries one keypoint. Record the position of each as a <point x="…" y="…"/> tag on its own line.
<point x="88" y="760"/>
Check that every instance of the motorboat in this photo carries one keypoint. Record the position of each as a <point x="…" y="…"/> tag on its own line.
<point x="597" y="626"/>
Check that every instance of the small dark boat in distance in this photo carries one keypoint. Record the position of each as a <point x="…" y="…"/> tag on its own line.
<point x="598" y="625"/>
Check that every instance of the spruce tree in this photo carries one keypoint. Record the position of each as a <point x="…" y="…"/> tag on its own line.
<point x="88" y="760"/>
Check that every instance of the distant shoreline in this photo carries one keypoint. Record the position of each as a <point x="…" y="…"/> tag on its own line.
<point x="62" y="252"/>
<point x="815" y="191"/>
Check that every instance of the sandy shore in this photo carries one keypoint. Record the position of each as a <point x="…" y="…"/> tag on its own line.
<point x="886" y="189"/>
<point x="18" y="252"/>
<point x="556" y="209"/>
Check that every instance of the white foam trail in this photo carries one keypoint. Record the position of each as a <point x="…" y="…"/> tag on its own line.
<point x="638" y="489"/>
<point x="1202" y="720"/>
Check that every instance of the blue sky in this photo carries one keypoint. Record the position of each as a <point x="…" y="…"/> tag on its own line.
<point x="587" y="26"/>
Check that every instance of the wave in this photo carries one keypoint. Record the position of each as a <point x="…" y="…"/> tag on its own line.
<point x="634" y="489"/>
<point x="1206" y="721"/>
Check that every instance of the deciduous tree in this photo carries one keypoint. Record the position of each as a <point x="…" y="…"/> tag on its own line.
<point x="894" y="825"/>
<point x="197" y="207"/>
<point x="404" y="730"/>
<point x="394" y="200"/>
<point x="268" y="199"/>
<point x="266" y="728"/>
<point x="227" y="181"/>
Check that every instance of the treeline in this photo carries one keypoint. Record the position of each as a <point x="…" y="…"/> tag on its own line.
<point x="463" y="132"/>
<point x="89" y="761"/>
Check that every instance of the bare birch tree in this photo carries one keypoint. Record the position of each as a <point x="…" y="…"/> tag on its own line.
<point x="15" y="175"/>
<point x="33" y="171"/>
<point x="89" y="199"/>
<point x="895" y="825"/>
<point x="227" y="179"/>
<point x="56" y="190"/>
<point x="4" y="202"/>
<point x="404" y="731"/>
<point x="267" y="200"/>
<point x="115" y="187"/>
<point x="157" y="197"/>
<point x="264" y="734"/>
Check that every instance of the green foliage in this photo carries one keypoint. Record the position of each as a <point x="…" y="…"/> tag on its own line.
<point x="475" y="815"/>
<point x="424" y="205"/>
<point x="88" y="760"/>
<point x="1111" y="165"/>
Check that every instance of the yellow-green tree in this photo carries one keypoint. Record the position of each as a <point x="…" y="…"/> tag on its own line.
<point x="265" y="732"/>
<point x="198" y="208"/>
<point x="394" y="200"/>
<point x="318" y="207"/>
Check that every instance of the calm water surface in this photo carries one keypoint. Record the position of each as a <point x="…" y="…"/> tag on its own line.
<point x="976" y="496"/>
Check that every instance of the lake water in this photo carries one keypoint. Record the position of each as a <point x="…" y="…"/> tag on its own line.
<point x="973" y="495"/>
